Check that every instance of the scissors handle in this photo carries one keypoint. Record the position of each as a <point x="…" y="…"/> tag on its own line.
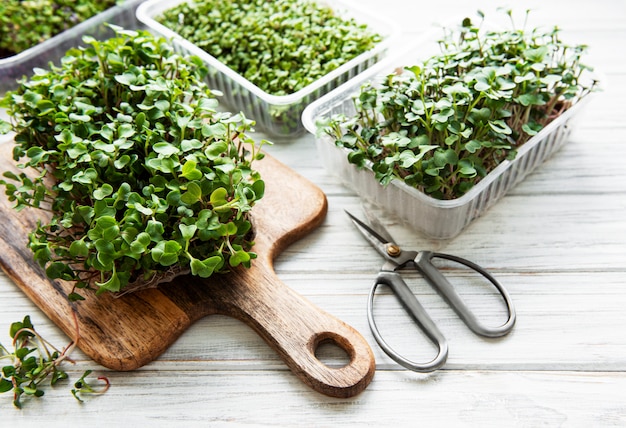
<point x="423" y="262"/>
<point x="441" y="284"/>
<point x="414" y="308"/>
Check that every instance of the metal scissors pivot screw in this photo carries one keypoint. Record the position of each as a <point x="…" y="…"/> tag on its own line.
<point x="396" y="259"/>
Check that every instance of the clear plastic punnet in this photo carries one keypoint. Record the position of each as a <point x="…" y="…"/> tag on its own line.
<point x="434" y="218"/>
<point x="52" y="50"/>
<point x="279" y="115"/>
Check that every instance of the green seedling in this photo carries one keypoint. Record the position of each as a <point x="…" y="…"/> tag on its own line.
<point x="24" y="24"/>
<point x="33" y="361"/>
<point x="280" y="46"/>
<point x="142" y="177"/>
<point x="444" y="124"/>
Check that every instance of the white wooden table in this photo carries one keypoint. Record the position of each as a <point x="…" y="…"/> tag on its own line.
<point x="557" y="242"/>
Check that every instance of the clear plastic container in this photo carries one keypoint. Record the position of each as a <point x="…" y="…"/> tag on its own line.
<point x="438" y="219"/>
<point x="278" y="115"/>
<point x="52" y="50"/>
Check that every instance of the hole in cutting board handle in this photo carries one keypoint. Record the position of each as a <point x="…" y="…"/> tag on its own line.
<point x="333" y="350"/>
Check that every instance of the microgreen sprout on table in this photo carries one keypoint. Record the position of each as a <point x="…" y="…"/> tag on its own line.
<point x="33" y="360"/>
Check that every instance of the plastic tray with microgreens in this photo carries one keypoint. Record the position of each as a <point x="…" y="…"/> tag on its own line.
<point x="271" y="59"/>
<point x="437" y="140"/>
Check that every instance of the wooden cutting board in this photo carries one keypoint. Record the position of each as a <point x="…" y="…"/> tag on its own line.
<point x="127" y="332"/>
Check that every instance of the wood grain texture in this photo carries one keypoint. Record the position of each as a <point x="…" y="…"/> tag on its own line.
<point x="128" y="332"/>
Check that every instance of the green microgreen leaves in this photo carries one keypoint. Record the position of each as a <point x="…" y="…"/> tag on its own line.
<point x="34" y="360"/>
<point x="443" y="124"/>
<point x="141" y="172"/>
<point x="281" y="46"/>
<point x="25" y="24"/>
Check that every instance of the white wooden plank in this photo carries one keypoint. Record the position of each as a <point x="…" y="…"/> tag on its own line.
<point x="529" y="233"/>
<point x="277" y="398"/>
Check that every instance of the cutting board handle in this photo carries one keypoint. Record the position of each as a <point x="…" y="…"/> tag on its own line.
<point x="295" y="328"/>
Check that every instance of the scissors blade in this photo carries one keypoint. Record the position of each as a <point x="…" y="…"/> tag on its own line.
<point x="373" y="237"/>
<point x="376" y="224"/>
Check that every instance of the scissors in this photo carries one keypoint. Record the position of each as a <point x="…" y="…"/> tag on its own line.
<point x="397" y="259"/>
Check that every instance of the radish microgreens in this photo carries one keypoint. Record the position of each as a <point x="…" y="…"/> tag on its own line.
<point x="142" y="176"/>
<point x="442" y="125"/>
<point x="33" y="361"/>
<point x="281" y="46"/>
<point x="23" y="24"/>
